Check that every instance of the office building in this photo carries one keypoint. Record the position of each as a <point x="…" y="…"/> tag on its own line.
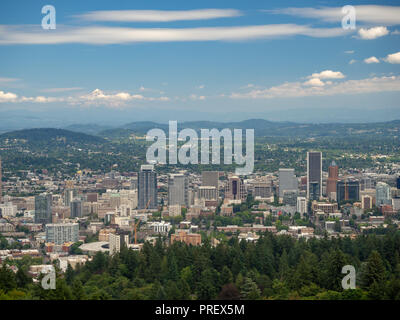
<point x="235" y="189"/>
<point x="290" y="197"/>
<point x="287" y="181"/>
<point x="59" y="233"/>
<point x="117" y="241"/>
<point x="178" y="187"/>
<point x="43" y="205"/>
<point x="383" y="196"/>
<point x="348" y="190"/>
<point x="366" y="202"/>
<point x="262" y="190"/>
<point x="147" y="187"/>
<point x="7" y="209"/>
<point x="207" y="193"/>
<point x="301" y="206"/>
<point x="314" y="175"/>
<point x="210" y="179"/>
<point x="397" y="180"/>
<point x="333" y="176"/>
<point x="1" y="183"/>
<point x="76" y="208"/>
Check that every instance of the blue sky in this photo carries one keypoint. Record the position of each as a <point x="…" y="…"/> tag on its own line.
<point x="209" y="60"/>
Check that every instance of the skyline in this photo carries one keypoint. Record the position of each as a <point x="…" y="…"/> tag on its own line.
<point x="117" y="63"/>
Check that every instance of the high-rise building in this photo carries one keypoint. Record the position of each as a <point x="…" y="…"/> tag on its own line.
<point x="76" y="208"/>
<point x="69" y="195"/>
<point x="178" y="187"/>
<point x="333" y="176"/>
<point x="43" y="204"/>
<point x="383" y="195"/>
<point x="397" y="181"/>
<point x="210" y="179"/>
<point x="301" y="206"/>
<point x="366" y="202"/>
<point x="262" y="190"/>
<point x="287" y="181"/>
<point x="314" y="175"/>
<point x="348" y="190"/>
<point x="235" y="189"/>
<point x="366" y="183"/>
<point x="147" y="187"/>
<point x="117" y="241"/>
<point x="1" y="183"/>
<point x="59" y="233"/>
<point x="207" y="193"/>
<point x="290" y="197"/>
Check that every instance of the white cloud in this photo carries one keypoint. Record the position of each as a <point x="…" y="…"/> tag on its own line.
<point x="393" y="58"/>
<point x="328" y="74"/>
<point x="298" y="89"/>
<point x="27" y="34"/>
<point x="7" y="96"/>
<point x="6" y="80"/>
<point x="196" y="97"/>
<point x="53" y="90"/>
<point x="158" y="15"/>
<point x="352" y="61"/>
<point x="96" y="97"/>
<point x="314" y="82"/>
<point x="372" y="14"/>
<point x="371" y="60"/>
<point x="373" y="33"/>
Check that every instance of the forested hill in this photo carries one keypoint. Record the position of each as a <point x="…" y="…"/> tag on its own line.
<point x="263" y="128"/>
<point x="50" y="136"/>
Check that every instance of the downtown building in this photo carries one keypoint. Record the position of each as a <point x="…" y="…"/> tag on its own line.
<point x="178" y="190"/>
<point x="59" y="233"/>
<point x="287" y="181"/>
<point x="43" y="208"/>
<point x="314" y="175"/>
<point x="348" y="190"/>
<point x="333" y="177"/>
<point x="147" y="187"/>
<point x="235" y="189"/>
<point x="383" y="194"/>
<point x="210" y="179"/>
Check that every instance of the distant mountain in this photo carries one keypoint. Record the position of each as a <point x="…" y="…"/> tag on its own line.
<point x="90" y="128"/>
<point x="263" y="128"/>
<point x="270" y="128"/>
<point x="50" y="135"/>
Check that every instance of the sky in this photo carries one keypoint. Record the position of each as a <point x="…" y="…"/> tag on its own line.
<point x="115" y="62"/>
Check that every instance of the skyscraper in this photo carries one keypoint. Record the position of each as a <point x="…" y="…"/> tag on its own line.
<point x="178" y="187"/>
<point x="235" y="189"/>
<point x="383" y="195"/>
<point x="1" y="185"/>
<point x="397" y="184"/>
<point x="59" y="233"/>
<point x="76" y="208"/>
<point x="314" y="175"/>
<point x="348" y="189"/>
<point x="43" y="208"/>
<point x="147" y="187"/>
<point x="210" y="179"/>
<point x="287" y="181"/>
<point x="333" y="175"/>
